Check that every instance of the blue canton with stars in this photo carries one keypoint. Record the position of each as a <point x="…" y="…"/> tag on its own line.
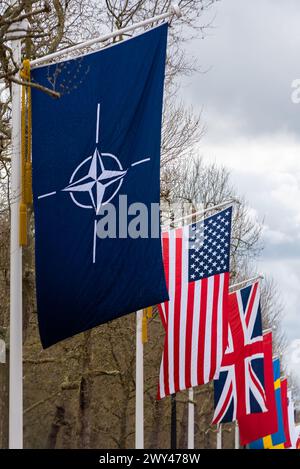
<point x="209" y="246"/>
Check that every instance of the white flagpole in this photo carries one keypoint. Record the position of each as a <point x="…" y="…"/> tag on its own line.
<point x="173" y="11"/>
<point x="237" y="436"/>
<point x="244" y="282"/>
<point x="139" y="383"/>
<point x="191" y="420"/>
<point x="219" y="436"/>
<point x="200" y="212"/>
<point x="15" y="343"/>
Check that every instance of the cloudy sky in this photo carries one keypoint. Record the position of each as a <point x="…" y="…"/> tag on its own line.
<point x="252" y="55"/>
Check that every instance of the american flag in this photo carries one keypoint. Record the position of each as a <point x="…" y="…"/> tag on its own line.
<point x="196" y="261"/>
<point x="239" y="390"/>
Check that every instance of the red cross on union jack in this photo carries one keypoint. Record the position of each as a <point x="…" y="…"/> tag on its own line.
<point x="240" y="390"/>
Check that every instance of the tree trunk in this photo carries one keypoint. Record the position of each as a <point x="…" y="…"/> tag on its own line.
<point x="58" y="422"/>
<point x="84" y="417"/>
<point x="156" y="425"/>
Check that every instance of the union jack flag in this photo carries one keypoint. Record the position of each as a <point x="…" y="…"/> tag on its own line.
<point x="196" y="261"/>
<point x="239" y="390"/>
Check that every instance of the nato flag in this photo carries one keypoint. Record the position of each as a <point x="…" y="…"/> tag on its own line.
<point x="95" y="149"/>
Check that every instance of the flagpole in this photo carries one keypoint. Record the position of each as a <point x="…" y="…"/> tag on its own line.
<point x="15" y="341"/>
<point x="139" y="383"/>
<point x="219" y="436"/>
<point x="237" y="436"/>
<point x="201" y="212"/>
<point x="191" y="420"/>
<point x="173" y="11"/>
<point x="250" y="280"/>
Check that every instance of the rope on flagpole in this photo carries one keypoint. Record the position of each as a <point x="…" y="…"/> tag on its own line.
<point x="147" y="314"/>
<point x="26" y="166"/>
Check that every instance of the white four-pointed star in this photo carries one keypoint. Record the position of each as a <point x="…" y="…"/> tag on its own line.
<point x="96" y="181"/>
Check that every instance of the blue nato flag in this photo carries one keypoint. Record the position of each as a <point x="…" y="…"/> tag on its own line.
<point x="95" y="147"/>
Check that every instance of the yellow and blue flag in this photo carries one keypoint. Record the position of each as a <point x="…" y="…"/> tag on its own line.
<point x="277" y="440"/>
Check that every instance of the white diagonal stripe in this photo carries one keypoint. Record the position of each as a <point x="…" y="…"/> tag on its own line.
<point x="195" y="334"/>
<point x="183" y="306"/>
<point x="208" y="328"/>
<point x="172" y="274"/>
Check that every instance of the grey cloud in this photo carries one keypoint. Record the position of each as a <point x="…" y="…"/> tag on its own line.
<point x="253" y="52"/>
<point x="287" y="276"/>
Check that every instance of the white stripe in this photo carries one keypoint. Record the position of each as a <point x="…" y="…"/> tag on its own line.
<point x="195" y="334"/>
<point x="98" y="121"/>
<point x="230" y="347"/>
<point x="247" y="385"/>
<point x="258" y="397"/>
<point x="163" y="305"/>
<point x="256" y="355"/>
<point x="223" y="395"/>
<point x="253" y="387"/>
<point x="256" y="392"/>
<point x="163" y="311"/>
<point x="172" y="274"/>
<point x="140" y="162"/>
<point x="46" y="195"/>
<point x="208" y="330"/>
<point x="183" y="305"/>
<point x="256" y="340"/>
<point x="220" y="327"/>
<point x="242" y="315"/>
<point x="254" y="311"/>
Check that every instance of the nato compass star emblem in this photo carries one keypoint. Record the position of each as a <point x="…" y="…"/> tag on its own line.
<point x="96" y="180"/>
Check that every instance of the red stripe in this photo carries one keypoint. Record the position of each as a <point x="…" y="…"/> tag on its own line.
<point x="166" y="260"/>
<point x="251" y="303"/>
<point x="162" y="315"/>
<point x="189" y="330"/>
<point x="214" y="327"/>
<point x="167" y="272"/>
<point x="167" y="257"/>
<point x="177" y="303"/>
<point x="220" y="415"/>
<point x="225" y="311"/>
<point x="202" y="323"/>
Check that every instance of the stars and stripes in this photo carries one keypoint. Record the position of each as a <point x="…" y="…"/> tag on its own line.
<point x="239" y="390"/>
<point x="196" y="261"/>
